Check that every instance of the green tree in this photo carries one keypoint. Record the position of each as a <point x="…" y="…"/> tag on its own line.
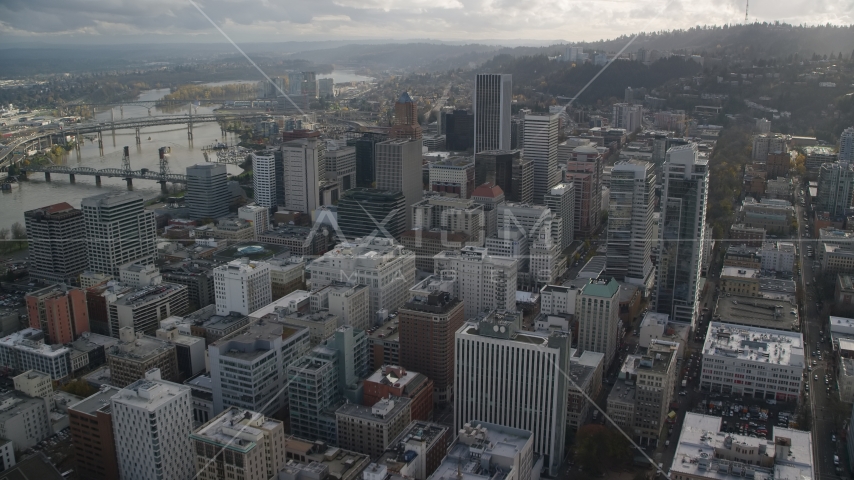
<point x="5" y="246"/>
<point x="19" y="235"/>
<point x="79" y="388"/>
<point x="599" y="448"/>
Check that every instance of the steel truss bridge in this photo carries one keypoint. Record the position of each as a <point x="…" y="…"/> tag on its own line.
<point x="144" y="122"/>
<point x="128" y="175"/>
<point x="163" y="176"/>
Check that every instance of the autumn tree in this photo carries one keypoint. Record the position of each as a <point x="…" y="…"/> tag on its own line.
<point x="19" y="235"/>
<point x="599" y="448"/>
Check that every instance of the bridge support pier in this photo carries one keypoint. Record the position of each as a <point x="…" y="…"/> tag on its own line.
<point x="130" y="183"/>
<point x="190" y="131"/>
<point x="100" y="143"/>
<point x="138" y="141"/>
<point x="98" y="180"/>
<point x="71" y="178"/>
<point x="46" y="176"/>
<point x="163" y="188"/>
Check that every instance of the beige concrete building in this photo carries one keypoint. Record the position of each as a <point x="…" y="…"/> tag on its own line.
<point x="239" y="445"/>
<point x="136" y="354"/>
<point x="640" y="399"/>
<point x="740" y="281"/>
<point x="315" y="459"/>
<point x="34" y="384"/>
<point x="286" y="275"/>
<point x="349" y="302"/>
<point x="370" y="430"/>
<point x="586" y="372"/>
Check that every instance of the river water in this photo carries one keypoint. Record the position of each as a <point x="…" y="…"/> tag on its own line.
<point x="36" y="192"/>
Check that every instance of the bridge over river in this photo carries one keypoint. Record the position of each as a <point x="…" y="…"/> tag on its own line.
<point x="162" y="176"/>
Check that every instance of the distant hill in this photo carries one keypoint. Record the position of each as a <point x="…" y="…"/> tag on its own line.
<point x="756" y="40"/>
<point x="404" y="56"/>
<point x="748" y="42"/>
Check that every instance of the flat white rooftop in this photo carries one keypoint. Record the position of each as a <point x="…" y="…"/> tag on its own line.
<point x="149" y="394"/>
<point x="787" y="457"/>
<point x="754" y="343"/>
<point x="236" y="429"/>
<point x="288" y="300"/>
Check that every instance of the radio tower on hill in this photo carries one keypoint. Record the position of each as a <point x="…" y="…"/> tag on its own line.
<point x="746" y="8"/>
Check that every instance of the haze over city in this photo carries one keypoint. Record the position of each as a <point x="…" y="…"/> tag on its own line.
<point x="155" y="21"/>
<point x="426" y="240"/>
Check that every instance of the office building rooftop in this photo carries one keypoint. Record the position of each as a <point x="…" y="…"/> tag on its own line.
<point x="322" y="460"/>
<point x="740" y="272"/>
<point x="776" y="313"/>
<point x="253" y="341"/>
<point x="144" y="295"/>
<point x="97" y="402"/>
<point x="754" y="343"/>
<point x="398" y="376"/>
<point x="383" y="411"/>
<point x="149" y="394"/>
<point x="235" y="429"/>
<point x="705" y="452"/>
<point x="484" y="451"/>
<point x="32" y="340"/>
<point x="140" y="348"/>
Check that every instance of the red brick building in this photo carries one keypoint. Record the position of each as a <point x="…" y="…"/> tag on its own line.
<point x="427" y="340"/>
<point x="397" y="381"/>
<point x="60" y="312"/>
<point x="91" y="426"/>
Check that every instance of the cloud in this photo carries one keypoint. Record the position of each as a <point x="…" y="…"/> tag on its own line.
<point x="282" y="20"/>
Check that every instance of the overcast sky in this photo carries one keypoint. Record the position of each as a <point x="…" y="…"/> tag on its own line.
<point x="110" y="21"/>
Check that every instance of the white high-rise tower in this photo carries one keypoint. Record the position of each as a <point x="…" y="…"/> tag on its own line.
<point x="152" y="423"/>
<point x="541" y="136"/>
<point x="632" y="202"/>
<point x="846" y="146"/>
<point x="264" y="179"/>
<point x="119" y="231"/>
<point x="493" y="93"/>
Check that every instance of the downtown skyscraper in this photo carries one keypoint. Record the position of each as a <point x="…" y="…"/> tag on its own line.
<point x="514" y="378"/>
<point x="493" y="93"/>
<point x="630" y="228"/>
<point x="119" y="231"/>
<point x="398" y="169"/>
<point x="57" y="239"/>
<point x="541" y="139"/>
<point x="846" y="146"/>
<point x="681" y="232"/>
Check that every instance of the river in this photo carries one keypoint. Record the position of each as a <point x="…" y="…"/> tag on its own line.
<point x="36" y="192"/>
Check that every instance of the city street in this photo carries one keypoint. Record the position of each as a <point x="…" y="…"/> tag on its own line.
<point x="814" y="323"/>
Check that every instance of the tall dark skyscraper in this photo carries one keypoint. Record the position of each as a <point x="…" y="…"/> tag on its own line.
<point x="357" y="204"/>
<point x="493" y="93"/>
<point x="507" y="169"/>
<point x="365" y="175"/>
<point x="459" y="130"/>
<point x="207" y="191"/>
<point x="57" y="238"/>
<point x="681" y="232"/>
